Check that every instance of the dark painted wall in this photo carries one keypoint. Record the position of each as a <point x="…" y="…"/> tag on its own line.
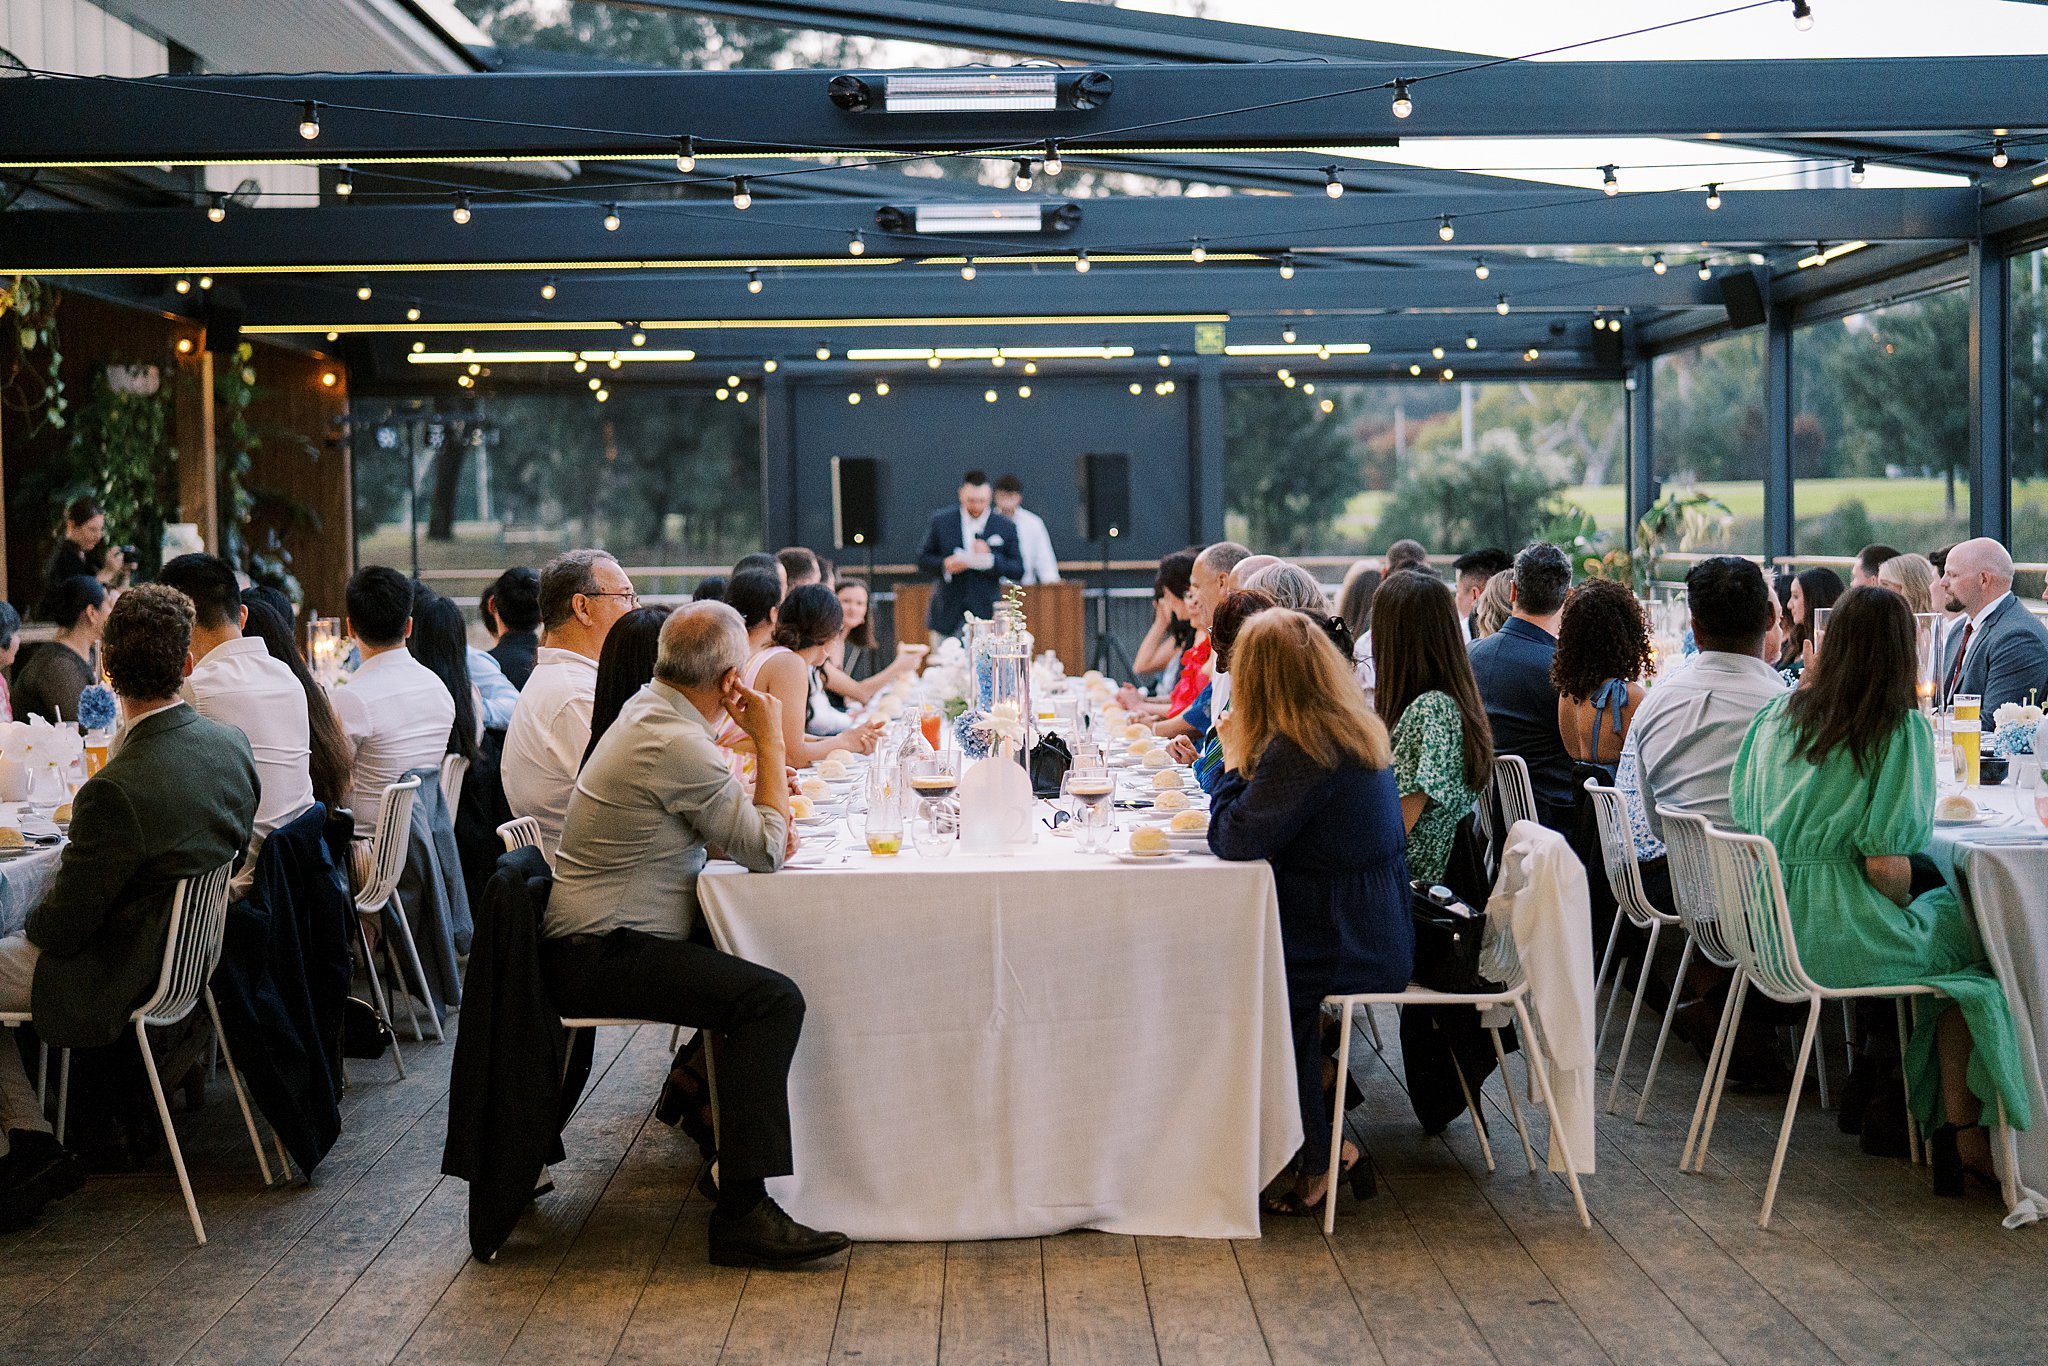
<point x="927" y="431"/>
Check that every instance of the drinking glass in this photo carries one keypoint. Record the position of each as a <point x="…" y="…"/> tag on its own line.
<point x="1966" y="737"/>
<point x="2029" y="790"/>
<point x="1820" y="625"/>
<point x="935" y="823"/>
<point x="881" y="825"/>
<point x="1091" y="790"/>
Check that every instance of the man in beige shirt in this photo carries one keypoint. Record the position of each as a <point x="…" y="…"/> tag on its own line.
<point x="654" y="797"/>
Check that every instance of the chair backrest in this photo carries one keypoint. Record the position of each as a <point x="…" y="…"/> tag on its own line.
<point x="388" y="847"/>
<point x="1694" y="885"/>
<point x="453" y="769"/>
<point x="1508" y="798"/>
<point x="1618" y="855"/>
<point x="199" y="919"/>
<point x="521" y="832"/>
<point x="1756" y="921"/>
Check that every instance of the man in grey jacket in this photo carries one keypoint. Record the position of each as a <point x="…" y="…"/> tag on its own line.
<point x="2001" y="651"/>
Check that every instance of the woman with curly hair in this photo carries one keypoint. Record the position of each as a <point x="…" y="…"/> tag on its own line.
<point x="1603" y="649"/>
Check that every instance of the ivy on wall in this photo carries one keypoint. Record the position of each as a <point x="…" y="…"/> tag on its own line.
<point x="29" y="383"/>
<point x="235" y="441"/>
<point x="121" y="454"/>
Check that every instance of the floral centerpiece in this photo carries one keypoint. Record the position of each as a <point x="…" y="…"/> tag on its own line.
<point x="96" y="709"/>
<point x="2016" y="722"/>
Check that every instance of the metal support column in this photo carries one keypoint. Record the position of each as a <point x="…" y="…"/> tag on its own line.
<point x="1206" y="453"/>
<point x="1778" y="434"/>
<point x="1989" y="467"/>
<point x="778" y="462"/>
<point x="1642" y="461"/>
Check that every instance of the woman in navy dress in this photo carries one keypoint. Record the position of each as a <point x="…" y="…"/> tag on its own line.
<point x="1308" y="785"/>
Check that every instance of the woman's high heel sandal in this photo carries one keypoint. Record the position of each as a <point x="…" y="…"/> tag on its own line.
<point x="1952" y="1176"/>
<point x="1356" y="1173"/>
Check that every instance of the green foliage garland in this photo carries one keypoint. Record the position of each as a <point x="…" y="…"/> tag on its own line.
<point x="121" y="453"/>
<point x="29" y="383"/>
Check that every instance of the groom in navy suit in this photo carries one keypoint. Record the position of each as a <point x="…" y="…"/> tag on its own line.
<point x="970" y="550"/>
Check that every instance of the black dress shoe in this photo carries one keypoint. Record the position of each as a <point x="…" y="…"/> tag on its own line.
<point x="767" y="1237"/>
<point x="37" y="1170"/>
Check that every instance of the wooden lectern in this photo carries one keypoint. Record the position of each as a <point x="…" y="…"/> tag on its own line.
<point x="1056" y="612"/>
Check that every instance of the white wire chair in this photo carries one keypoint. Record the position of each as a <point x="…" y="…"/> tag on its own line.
<point x="1756" y="922"/>
<point x="454" y="768"/>
<point x="1509" y="796"/>
<point x="1625" y="877"/>
<point x="521" y="832"/>
<point x="379" y="894"/>
<point x="1693" y="888"/>
<point x="191" y="951"/>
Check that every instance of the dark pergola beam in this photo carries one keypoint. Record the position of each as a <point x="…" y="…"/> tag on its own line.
<point x="197" y="119"/>
<point x="565" y="235"/>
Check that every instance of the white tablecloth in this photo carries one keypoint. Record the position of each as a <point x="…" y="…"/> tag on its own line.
<point x="24" y="881"/>
<point x="1008" y="1047"/>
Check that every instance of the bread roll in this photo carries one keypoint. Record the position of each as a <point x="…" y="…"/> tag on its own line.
<point x="1955" y="807"/>
<point x="817" y="789"/>
<point x="1166" y="778"/>
<point x="1191" y="823"/>
<point x="1157" y="758"/>
<point x="1172" y="799"/>
<point x="833" y="771"/>
<point x="10" y="838"/>
<point x="1149" y="839"/>
<point x="802" y="808"/>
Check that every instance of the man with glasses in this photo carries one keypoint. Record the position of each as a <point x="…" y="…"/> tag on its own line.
<point x="582" y="593"/>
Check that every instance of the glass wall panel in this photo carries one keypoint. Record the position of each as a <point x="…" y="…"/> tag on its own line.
<point x="1881" y="428"/>
<point x="1708" y="435"/>
<point x="1455" y="465"/>
<point x="2028" y="395"/>
<point x="460" y="489"/>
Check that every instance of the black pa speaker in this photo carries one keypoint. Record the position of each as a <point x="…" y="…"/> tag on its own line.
<point x="223" y="327"/>
<point x="1105" y="494"/>
<point x="1743" y="296"/>
<point x="856" y="501"/>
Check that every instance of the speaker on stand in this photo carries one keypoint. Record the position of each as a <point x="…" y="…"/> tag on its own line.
<point x="857" y="506"/>
<point x="1105" y="481"/>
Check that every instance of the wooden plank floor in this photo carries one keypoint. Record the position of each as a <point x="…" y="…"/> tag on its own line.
<point x="370" y="1263"/>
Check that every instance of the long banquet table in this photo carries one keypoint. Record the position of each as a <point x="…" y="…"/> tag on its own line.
<point x="1000" y="1047"/>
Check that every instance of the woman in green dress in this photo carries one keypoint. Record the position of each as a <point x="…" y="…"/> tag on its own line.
<point x="1839" y="775"/>
<point x="1425" y="692"/>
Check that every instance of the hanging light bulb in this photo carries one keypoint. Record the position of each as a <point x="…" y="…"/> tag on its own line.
<point x="595" y="384"/>
<point x="547" y="288"/>
<point x="1137" y="388"/>
<point x="1030" y="367"/>
<point x="1164" y="360"/>
<point x="989" y="396"/>
<point x="967" y="269"/>
<point x="1657" y="265"/>
<point x="856" y="245"/>
<point x="1444" y="230"/>
<point x="823" y="353"/>
<point x="1403" y="106"/>
<point x="1053" y="164"/>
<point x="1610" y="185"/>
<point x="604" y="396"/>
<point x="733" y="381"/>
<point x="206" y="282"/>
<point x="1023" y="391"/>
<point x="742" y="197"/>
<point x="1999" y="156"/>
<point x="1449" y="373"/>
<point x="611" y="218"/>
<point x="1287" y="335"/>
<point x="461" y="213"/>
<point x="1022" y="180"/>
<point x="998" y="360"/>
<point x="614" y="363"/>
<point x="1436" y="353"/>
<point x="581" y="365"/>
<point x="183" y="286"/>
<point x="1471" y="342"/>
<point x="1326" y="405"/>
<point x="1479" y="268"/>
<point x="1332" y="186"/>
<point x="1530" y="354"/>
<point x="363" y="291"/>
<point x="1502" y="306"/>
<point x="465" y="381"/>
<point x="753" y="282"/>
<point x="686" y="154"/>
<point x="881" y="388"/>
<point x="1706" y="271"/>
<point x="1415" y="369"/>
<point x="475" y="369"/>
<point x="1283" y="374"/>
<point x="1599" y="322"/>
<point x="420" y="346"/>
<point x="334" y="336"/>
<point x="1081" y="262"/>
<point x="216" y="208"/>
<point x="854" y="399"/>
<point x="1856" y="171"/>
<point x="1198" y="253"/>
<point x="344" y="180"/>
<point x="412" y="315"/>
<point x="1323" y="352"/>
<point x="1714" y="195"/>
<point x="932" y="362"/>
<point x="1287" y="265"/>
<point x="309" y="120"/>
<point x="739" y="396"/>
<point x="770" y="366"/>
<point x="1802" y="15"/>
<point x="640" y="339"/>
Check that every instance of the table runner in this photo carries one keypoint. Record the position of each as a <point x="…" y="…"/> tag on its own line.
<point x="1009" y="1047"/>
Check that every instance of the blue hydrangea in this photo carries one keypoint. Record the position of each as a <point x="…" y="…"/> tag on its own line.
<point x="2013" y="740"/>
<point x="96" y="709"/>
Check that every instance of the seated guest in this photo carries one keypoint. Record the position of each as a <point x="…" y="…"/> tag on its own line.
<point x="710" y="588"/>
<point x="176" y="800"/>
<point x="853" y="672"/>
<point x="1408" y="554"/>
<point x="328" y="756"/>
<point x="440" y="641"/>
<point x="761" y="559"/>
<point x="57" y="671"/>
<point x="10" y="647"/>
<point x="236" y="683"/>
<point x="1939" y="559"/>
<point x="582" y="593"/>
<point x="1912" y="578"/>
<point x="1475" y="569"/>
<point x="1603" y="651"/>
<point x="396" y="712"/>
<point x="1288" y="585"/>
<point x="1213" y="575"/>
<point x="799" y="566"/>
<point x="2001" y="652"/>
<point x="496" y="698"/>
<point x="1513" y="669"/>
<point x="1495" y="605"/>
<point x="513" y="600"/>
<point x="654" y="795"/>
<point x="624" y="668"/>
<point x="1354" y="605"/>
<point x="799" y="632"/>
<point x="1206" y="754"/>
<point x="1308" y="785"/>
<point x="1443" y="748"/>
<point x="1839" y="775"/>
<point x="1172" y="631"/>
<point x="1808" y="593"/>
<point x="1869" y="560"/>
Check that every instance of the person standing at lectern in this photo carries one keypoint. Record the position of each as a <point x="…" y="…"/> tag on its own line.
<point x="969" y="550"/>
<point x="1034" y="542"/>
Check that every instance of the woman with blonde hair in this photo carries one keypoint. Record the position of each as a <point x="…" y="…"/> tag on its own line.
<point x="1308" y="785"/>
<point x="1912" y="578"/>
<point x="1495" y="605"/>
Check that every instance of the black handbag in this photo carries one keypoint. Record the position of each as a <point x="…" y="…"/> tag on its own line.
<point x="1050" y="760"/>
<point x="1448" y="936"/>
<point x="363" y="1032"/>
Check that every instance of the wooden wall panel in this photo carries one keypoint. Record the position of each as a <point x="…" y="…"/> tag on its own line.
<point x="303" y="465"/>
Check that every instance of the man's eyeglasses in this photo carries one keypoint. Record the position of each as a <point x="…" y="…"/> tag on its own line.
<point x="632" y="598"/>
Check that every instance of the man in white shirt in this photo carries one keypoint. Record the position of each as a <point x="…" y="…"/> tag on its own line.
<point x="1034" y="542"/>
<point x="395" y="711"/>
<point x="582" y="593"/>
<point x="237" y="683"/>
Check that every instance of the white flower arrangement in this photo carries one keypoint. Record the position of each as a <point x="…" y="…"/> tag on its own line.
<point x="1004" y="724"/>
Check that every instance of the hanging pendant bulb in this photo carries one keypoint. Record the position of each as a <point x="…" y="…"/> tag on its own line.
<point x="1081" y="262"/>
<point x="1403" y="106"/>
<point x="183" y="286"/>
<point x="1479" y="268"/>
<point x="206" y="282"/>
<point x="1436" y="353"/>
<point x="1198" y="253"/>
<point x="1415" y="369"/>
<point x="1332" y="186"/>
<point x="412" y="315"/>
<point x="1053" y="164"/>
<point x="547" y="288"/>
<point x="1287" y="335"/>
<point x="1610" y="185"/>
<point x="344" y="180"/>
<point x="686" y="154"/>
<point x="1502" y="306"/>
<point x="856" y="245"/>
<point x="1856" y="171"/>
<point x="1657" y="265"/>
<point x="1999" y="156"/>
<point x="1022" y="180"/>
<point x="461" y="213"/>
<point x="753" y="282"/>
<point x="309" y="120"/>
<point x="363" y="292"/>
<point x="1471" y="342"/>
<point x="1802" y="15"/>
<point x="1714" y="195"/>
<point x="1444" y="230"/>
<point x="611" y="218"/>
<point x="1706" y="271"/>
<point x="742" y="197"/>
<point x="1287" y="265"/>
<point x="217" y="208"/>
<point x="967" y="269"/>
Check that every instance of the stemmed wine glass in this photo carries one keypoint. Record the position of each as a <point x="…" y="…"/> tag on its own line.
<point x="933" y="780"/>
<point x="1090" y="790"/>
